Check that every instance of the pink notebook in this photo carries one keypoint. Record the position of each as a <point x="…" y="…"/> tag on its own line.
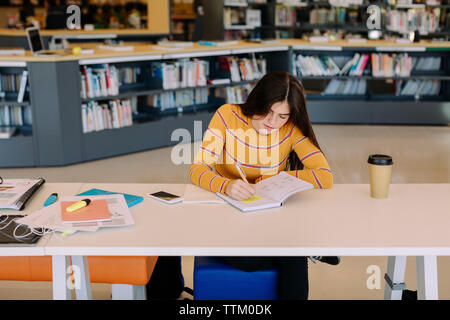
<point x="97" y="210"/>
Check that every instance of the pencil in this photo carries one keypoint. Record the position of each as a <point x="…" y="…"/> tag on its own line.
<point x="241" y="172"/>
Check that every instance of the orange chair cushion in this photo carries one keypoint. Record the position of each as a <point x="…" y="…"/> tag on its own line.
<point x="115" y="270"/>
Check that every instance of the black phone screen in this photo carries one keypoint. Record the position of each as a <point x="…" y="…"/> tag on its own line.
<point x="164" y="195"/>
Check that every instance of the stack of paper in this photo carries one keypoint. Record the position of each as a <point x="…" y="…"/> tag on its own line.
<point x="52" y="217"/>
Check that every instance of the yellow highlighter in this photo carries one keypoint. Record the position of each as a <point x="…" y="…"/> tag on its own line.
<point x="78" y="205"/>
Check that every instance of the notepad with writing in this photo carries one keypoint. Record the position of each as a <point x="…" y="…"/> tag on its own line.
<point x="270" y="192"/>
<point x="97" y="210"/>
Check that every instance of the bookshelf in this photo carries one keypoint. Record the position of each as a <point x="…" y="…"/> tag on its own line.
<point x="59" y="136"/>
<point x="417" y="88"/>
<point x="182" y="19"/>
<point x="296" y="18"/>
<point x="233" y="19"/>
<point x="153" y="124"/>
<point x="19" y="148"/>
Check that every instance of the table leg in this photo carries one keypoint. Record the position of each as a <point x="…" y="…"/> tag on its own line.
<point x="61" y="289"/>
<point x="427" y="279"/>
<point x="395" y="278"/>
<point x="82" y="278"/>
<point x="128" y="292"/>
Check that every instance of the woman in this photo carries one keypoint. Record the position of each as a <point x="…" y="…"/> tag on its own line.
<point x="269" y="133"/>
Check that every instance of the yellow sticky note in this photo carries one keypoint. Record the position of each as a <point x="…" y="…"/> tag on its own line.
<point x="76" y="51"/>
<point x="252" y="199"/>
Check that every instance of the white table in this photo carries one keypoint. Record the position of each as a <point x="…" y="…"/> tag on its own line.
<point x="342" y="221"/>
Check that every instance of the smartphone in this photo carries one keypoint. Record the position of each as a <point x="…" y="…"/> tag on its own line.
<point x="165" y="197"/>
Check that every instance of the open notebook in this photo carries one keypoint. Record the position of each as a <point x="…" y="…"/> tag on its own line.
<point x="270" y="192"/>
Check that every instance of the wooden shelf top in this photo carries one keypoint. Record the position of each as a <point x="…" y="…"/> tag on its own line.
<point x="369" y="44"/>
<point x="148" y="51"/>
<point x="65" y="32"/>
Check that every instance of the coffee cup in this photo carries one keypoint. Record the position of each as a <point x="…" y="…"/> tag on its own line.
<point x="380" y="168"/>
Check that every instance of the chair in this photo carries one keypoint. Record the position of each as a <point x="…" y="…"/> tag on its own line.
<point x="127" y="275"/>
<point x="214" y="280"/>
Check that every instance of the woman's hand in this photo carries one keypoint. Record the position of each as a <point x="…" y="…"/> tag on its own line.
<point x="239" y="189"/>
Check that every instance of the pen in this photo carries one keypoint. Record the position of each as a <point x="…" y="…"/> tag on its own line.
<point x="78" y="205"/>
<point x="241" y="172"/>
<point x="51" y="199"/>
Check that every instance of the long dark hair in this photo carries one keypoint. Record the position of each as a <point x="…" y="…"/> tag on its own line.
<point x="276" y="87"/>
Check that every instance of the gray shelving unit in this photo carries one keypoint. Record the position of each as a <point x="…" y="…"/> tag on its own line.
<point x="21" y="149"/>
<point x="372" y="108"/>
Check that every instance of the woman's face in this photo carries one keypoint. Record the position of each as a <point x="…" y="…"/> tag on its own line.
<point x="277" y="117"/>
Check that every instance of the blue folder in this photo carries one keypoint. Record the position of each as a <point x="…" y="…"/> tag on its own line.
<point x="129" y="198"/>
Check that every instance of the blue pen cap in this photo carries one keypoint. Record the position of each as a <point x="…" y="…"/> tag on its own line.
<point x="51" y="199"/>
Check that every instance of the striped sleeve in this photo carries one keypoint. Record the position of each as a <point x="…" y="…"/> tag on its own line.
<point x="316" y="169"/>
<point x="202" y="172"/>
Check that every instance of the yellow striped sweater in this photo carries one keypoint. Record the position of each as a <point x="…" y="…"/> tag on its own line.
<point x="231" y="138"/>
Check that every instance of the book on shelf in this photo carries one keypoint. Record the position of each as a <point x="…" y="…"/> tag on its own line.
<point x="270" y="193"/>
<point x="253" y="18"/>
<point x="182" y="73"/>
<point x="10" y="82"/>
<point x="334" y="15"/>
<point x="346" y="87"/>
<point x="327" y="65"/>
<point x="101" y="116"/>
<point x="7" y="132"/>
<point x="426" y="63"/>
<point x="234" y="17"/>
<point x="418" y="87"/>
<point x="98" y="81"/>
<point x="129" y="75"/>
<point x="234" y="94"/>
<point x="285" y="16"/>
<point x="395" y="65"/>
<point x="23" y="85"/>
<point x="179" y="99"/>
<point x="405" y="21"/>
<point x="15" y="115"/>
<point x="244" y="69"/>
